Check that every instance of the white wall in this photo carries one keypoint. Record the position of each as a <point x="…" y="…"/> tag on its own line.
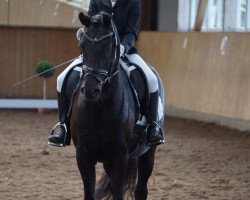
<point x="230" y="15"/>
<point x="175" y="15"/>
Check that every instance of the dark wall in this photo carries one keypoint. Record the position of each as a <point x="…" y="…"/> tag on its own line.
<point x="149" y="14"/>
<point x="167" y="15"/>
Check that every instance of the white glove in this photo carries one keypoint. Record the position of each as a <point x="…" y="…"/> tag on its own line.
<point x="79" y="33"/>
<point x="122" y="50"/>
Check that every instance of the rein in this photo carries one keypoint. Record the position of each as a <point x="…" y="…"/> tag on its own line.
<point x="31" y="77"/>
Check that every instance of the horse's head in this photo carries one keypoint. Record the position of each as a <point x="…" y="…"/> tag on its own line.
<point x="99" y="45"/>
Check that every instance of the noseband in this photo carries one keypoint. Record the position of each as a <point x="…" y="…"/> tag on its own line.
<point x="98" y="73"/>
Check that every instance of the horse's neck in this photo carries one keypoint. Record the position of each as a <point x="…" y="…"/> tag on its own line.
<point x="117" y="88"/>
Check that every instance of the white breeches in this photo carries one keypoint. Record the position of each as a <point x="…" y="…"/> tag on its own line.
<point x="135" y="58"/>
<point x="151" y="77"/>
<point x="61" y="77"/>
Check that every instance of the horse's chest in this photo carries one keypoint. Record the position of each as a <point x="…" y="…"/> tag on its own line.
<point x="101" y="143"/>
<point x="102" y="149"/>
<point x="101" y="131"/>
<point x="99" y="124"/>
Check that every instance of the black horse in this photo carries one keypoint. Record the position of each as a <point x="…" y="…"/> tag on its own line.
<point x="103" y="118"/>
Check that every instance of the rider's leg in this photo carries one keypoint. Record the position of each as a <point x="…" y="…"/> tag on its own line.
<point x="155" y="133"/>
<point x="59" y="138"/>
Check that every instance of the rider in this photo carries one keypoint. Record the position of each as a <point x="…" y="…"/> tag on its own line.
<point x="126" y="16"/>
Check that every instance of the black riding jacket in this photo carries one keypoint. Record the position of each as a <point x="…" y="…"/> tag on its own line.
<point x="126" y="16"/>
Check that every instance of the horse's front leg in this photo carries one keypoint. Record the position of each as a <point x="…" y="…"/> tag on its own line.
<point x="118" y="173"/>
<point x="145" y="168"/>
<point x="87" y="171"/>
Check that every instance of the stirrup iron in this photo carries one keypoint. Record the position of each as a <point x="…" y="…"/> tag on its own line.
<point x="62" y="126"/>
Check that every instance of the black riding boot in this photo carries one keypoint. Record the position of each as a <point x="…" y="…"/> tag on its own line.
<point x="60" y="139"/>
<point x="154" y="131"/>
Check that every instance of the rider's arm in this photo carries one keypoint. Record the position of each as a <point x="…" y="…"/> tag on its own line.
<point x="93" y="8"/>
<point x="133" y="25"/>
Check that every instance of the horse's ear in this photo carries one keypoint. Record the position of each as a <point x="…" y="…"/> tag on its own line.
<point x="106" y="20"/>
<point x="85" y="20"/>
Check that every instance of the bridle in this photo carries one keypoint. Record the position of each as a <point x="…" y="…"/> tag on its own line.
<point x="106" y="75"/>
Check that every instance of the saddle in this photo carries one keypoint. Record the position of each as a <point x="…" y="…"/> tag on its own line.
<point x="138" y="85"/>
<point x="136" y="79"/>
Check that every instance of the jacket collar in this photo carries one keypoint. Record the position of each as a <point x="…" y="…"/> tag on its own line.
<point x="108" y="3"/>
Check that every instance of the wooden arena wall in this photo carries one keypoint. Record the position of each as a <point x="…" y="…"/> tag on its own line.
<point x="206" y="75"/>
<point x="201" y="73"/>
<point x="45" y="13"/>
<point x="51" y="13"/>
<point x="22" y="48"/>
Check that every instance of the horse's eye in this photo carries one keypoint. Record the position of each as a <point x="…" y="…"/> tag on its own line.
<point x="82" y="50"/>
<point x="109" y="47"/>
<point x="82" y="47"/>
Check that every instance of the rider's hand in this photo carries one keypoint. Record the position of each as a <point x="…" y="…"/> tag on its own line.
<point x="122" y="50"/>
<point x="79" y="33"/>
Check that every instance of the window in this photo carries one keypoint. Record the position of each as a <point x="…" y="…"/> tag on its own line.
<point x="213" y="20"/>
<point x="193" y="12"/>
<point x="243" y="15"/>
<point x="214" y="16"/>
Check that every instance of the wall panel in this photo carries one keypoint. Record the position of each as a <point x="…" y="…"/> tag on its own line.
<point x="4" y="7"/>
<point x="196" y="74"/>
<point x="51" y="13"/>
<point x="42" y="13"/>
<point x="22" y="48"/>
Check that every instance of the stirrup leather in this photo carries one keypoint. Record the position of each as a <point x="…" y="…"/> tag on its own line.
<point x="62" y="127"/>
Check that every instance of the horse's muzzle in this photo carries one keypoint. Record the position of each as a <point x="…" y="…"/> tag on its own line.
<point x="91" y="92"/>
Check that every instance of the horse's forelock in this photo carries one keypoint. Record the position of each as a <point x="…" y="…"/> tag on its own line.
<point x="100" y="18"/>
<point x="96" y="19"/>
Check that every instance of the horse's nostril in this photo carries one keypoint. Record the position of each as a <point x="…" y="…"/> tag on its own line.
<point x="96" y="92"/>
<point x="82" y="89"/>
